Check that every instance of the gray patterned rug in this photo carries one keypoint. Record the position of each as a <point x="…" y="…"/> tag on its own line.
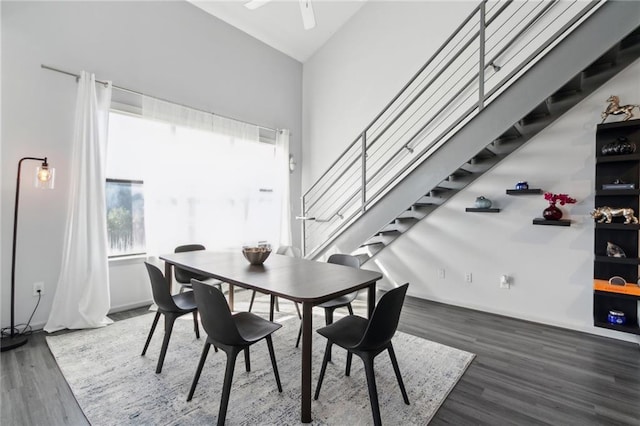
<point x="114" y="385"/>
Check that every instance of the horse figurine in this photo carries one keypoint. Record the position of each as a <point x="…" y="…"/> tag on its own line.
<point x="614" y="108"/>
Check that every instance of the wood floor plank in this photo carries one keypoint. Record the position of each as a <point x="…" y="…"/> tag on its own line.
<point x="523" y="374"/>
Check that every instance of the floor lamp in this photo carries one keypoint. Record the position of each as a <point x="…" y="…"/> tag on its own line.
<point x="44" y="179"/>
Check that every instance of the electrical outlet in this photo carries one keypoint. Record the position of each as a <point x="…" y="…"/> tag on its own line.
<point x="468" y="277"/>
<point x="505" y="282"/>
<point x="38" y="288"/>
<point x="441" y="273"/>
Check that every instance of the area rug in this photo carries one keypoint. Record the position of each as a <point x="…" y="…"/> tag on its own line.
<point x="114" y="385"/>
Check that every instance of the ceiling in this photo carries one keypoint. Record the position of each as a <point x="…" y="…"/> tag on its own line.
<point x="278" y="23"/>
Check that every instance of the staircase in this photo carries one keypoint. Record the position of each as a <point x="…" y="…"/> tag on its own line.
<point x="426" y="146"/>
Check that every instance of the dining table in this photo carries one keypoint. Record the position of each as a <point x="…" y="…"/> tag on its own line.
<point x="300" y="280"/>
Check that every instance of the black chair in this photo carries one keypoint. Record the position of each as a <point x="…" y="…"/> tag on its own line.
<point x="367" y="339"/>
<point x="338" y="302"/>
<point x="287" y="251"/>
<point x="232" y="334"/>
<point x="183" y="277"/>
<point x="171" y="307"/>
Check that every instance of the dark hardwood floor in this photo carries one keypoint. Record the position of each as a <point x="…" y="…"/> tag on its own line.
<point x="523" y="374"/>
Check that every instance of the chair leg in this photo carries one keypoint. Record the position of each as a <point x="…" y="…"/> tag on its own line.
<point x="328" y="316"/>
<point x="253" y="297"/>
<point x="226" y="387"/>
<point x="347" y="370"/>
<point x="350" y="308"/>
<point x="277" y="304"/>
<point x="203" y="357"/>
<point x="325" y="360"/>
<point x="247" y="361"/>
<point x="273" y="362"/>
<point x="373" y="390"/>
<point x="394" y="362"/>
<point x="298" y="310"/>
<point x="168" y="326"/>
<point x="153" y="328"/>
<point x="196" y="328"/>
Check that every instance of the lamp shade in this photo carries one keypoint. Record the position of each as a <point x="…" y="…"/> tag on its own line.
<point x="45" y="176"/>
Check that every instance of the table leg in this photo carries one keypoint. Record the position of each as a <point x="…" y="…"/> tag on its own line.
<point x="305" y="388"/>
<point x="231" y="297"/>
<point x="371" y="298"/>
<point x="168" y="275"/>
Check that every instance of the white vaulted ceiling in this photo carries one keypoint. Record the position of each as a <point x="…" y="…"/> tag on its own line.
<point x="278" y="23"/>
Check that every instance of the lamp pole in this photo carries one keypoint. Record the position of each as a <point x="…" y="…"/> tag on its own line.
<point x="15" y="339"/>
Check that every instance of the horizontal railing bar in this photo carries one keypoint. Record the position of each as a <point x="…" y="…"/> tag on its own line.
<point x="424" y="151"/>
<point x="525" y="29"/>
<point x="415" y="76"/>
<point x="344" y="171"/>
<point x="499" y="12"/>
<point x="470" y="81"/>
<point x="536" y="52"/>
<point x="473" y="38"/>
<point x="434" y="93"/>
<point x="333" y="164"/>
<point x="370" y="129"/>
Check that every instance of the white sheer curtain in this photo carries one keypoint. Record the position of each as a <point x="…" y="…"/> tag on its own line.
<point x="208" y="180"/>
<point x="283" y="176"/>
<point x="82" y="296"/>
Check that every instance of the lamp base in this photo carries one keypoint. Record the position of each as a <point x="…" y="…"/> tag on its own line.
<point x="7" y="343"/>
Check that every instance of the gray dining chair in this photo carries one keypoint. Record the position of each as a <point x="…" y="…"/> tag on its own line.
<point x="368" y="338"/>
<point x="171" y="307"/>
<point x="183" y="277"/>
<point x="232" y="334"/>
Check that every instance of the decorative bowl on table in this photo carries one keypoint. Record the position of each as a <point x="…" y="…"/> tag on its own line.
<point x="256" y="255"/>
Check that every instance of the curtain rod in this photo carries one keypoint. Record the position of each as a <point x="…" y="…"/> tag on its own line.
<point x="135" y="92"/>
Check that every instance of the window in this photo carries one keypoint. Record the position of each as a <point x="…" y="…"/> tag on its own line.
<point x="125" y="217"/>
<point x="199" y="187"/>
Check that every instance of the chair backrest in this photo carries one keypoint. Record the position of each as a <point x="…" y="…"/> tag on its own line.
<point x="160" y="288"/>
<point x="384" y="320"/>
<point x="215" y="314"/>
<point x="289" y="251"/>
<point x="344" y="259"/>
<point x="182" y="275"/>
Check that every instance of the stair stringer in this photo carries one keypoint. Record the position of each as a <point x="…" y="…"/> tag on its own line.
<point x="612" y="22"/>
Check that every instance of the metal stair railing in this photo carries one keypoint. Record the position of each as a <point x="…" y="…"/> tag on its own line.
<point x="494" y="45"/>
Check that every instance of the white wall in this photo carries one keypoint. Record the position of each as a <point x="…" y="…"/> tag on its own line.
<point x="359" y="70"/>
<point x="171" y="50"/>
<point x="346" y="83"/>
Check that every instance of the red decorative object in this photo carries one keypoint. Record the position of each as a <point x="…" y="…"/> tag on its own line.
<point x="552" y="212"/>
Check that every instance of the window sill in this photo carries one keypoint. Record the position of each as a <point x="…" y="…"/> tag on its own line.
<point x="123" y="260"/>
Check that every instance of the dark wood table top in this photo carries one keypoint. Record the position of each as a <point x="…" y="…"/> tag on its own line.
<point x="296" y="279"/>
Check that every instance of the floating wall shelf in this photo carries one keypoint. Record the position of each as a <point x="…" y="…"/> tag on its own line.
<point x="542" y="221"/>
<point x="477" y="210"/>
<point x="523" y="191"/>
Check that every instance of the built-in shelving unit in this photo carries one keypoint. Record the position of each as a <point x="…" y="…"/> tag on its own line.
<point x="611" y="169"/>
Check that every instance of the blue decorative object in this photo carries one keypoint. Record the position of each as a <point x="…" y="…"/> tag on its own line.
<point x="522" y="185"/>
<point x="483" y="203"/>
<point x="616" y="317"/>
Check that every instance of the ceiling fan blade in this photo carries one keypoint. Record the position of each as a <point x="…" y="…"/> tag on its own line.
<point x="308" y="17"/>
<point x="254" y="4"/>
